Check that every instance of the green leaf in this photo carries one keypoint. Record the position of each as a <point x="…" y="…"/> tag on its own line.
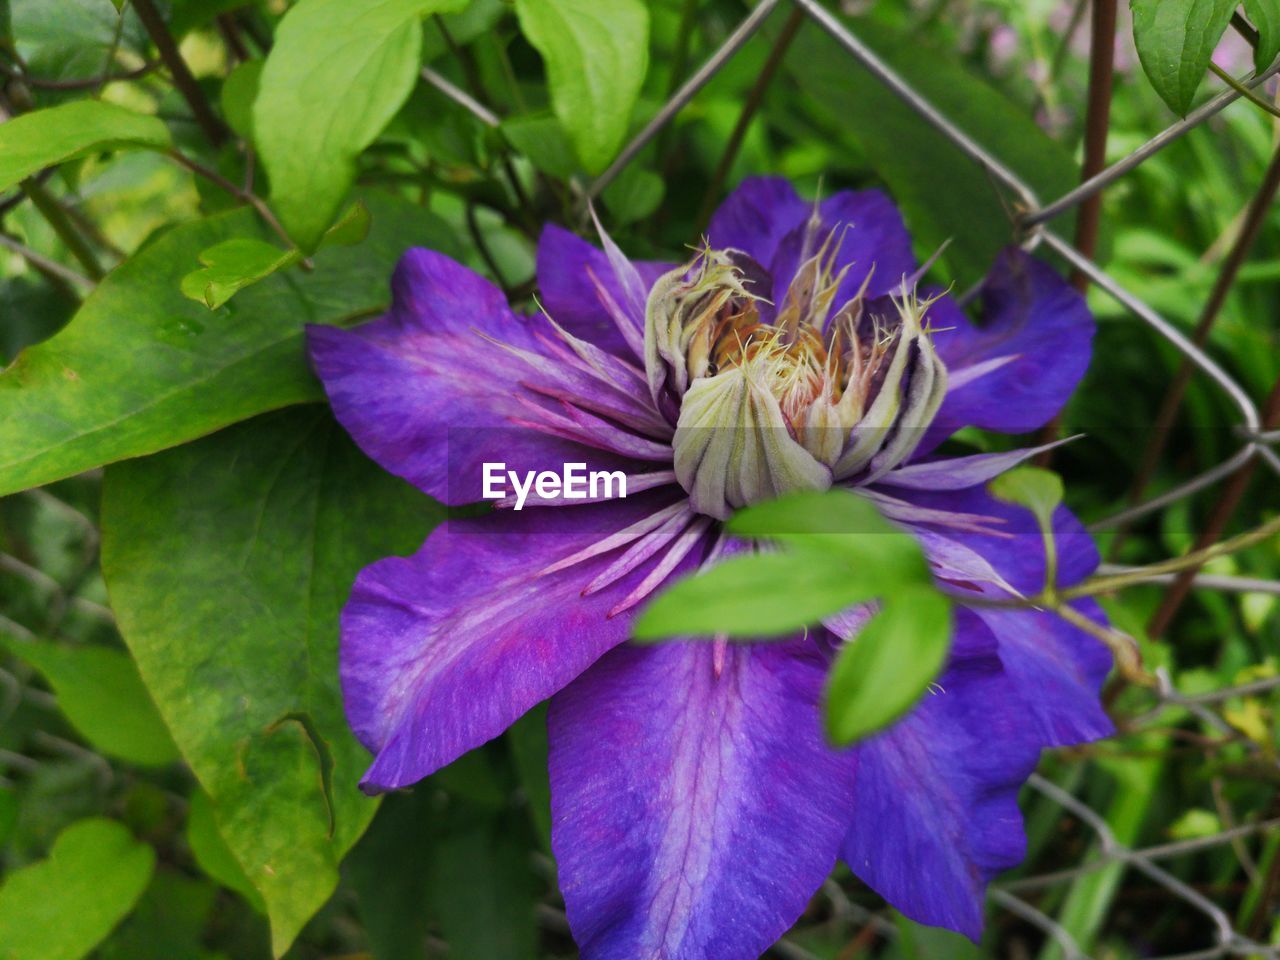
<point x="62" y="907"/>
<point x="480" y="886"/>
<point x="228" y="561"/>
<point x="170" y="922"/>
<point x="596" y="54"/>
<point x="1175" y="41"/>
<point x="756" y="595"/>
<point x="943" y="193"/>
<point x="1039" y="490"/>
<point x="212" y="853"/>
<point x="231" y="266"/>
<point x="434" y="859"/>
<point x="1265" y="16"/>
<point x="43" y="138"/>
<point x="882" y="671"/>
<point x="100" y="692"/>
<point x="843" y="527"/>
<point x="186" y="15"/>
<point x="634" y="195"/>
<point x="542" y="139"/>
<point x="141" y="367"/>
<point x="238" y="92"/>
<point x="387" y="872"/>
<point x="336" y="75"/>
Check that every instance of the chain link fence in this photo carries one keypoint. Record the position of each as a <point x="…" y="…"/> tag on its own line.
<point x="74" y="592"/>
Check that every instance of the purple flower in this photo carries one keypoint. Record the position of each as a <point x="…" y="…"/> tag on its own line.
<point x="696" y="806"/>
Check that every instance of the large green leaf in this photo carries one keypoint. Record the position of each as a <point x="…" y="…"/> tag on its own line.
<point x="596" y="53"/>
<point x="337" y="73"/>
<point x="944" y="194"/>
<point x="1175" y="40"/>
<point x="228" y="561"/>
<point x="1265" y="15"/>
<point x="62" y="907"/>
<point x="100" y="692"/>
<point x="43" y="138"/>
<point x="141" y="367"/>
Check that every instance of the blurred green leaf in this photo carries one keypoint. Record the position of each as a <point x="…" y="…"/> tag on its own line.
<point x="228" y="562"/>
<point x="32" y="311"/>
<point x="841" y="525"/>
<point x="840" y="552"/>
<point x="212" y="853"/>
<point x="755" y="595"/>
<point x="481" y="887"/>
<point x="231" y="266"/>
<point x="943" y="193"/>
<point x="387" y="870"/>
<point x="881" y="672"/>
<point x="634" y="195"/>
<point x="167" y="924"/>
<point x="140" y="367"/>
<point x="238" y="93"/>
<point x="186" y="15"/>
<point x="44" y="138"/>
<point x="596" y="54"/>
<point x="1265" y="16"/>
<point x="100" y="692"/>
<point x="542" y="139"/>
<point x="62" y="907"/>
<point x="470" y="23"/>
<point x="1175" y="41"/>
<point x="336" y="75"/>
<point x="1035" y="488"/>
<point x="434" y="860"/>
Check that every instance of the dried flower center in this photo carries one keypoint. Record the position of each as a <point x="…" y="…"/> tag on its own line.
<point x="773" y="398"/>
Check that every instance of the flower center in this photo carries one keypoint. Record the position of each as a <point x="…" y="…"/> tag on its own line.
<point x="779" y="397"/>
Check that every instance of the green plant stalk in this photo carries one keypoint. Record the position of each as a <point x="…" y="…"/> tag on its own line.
<point x="1090" y="897"/>
<point x="1189" y="561"/>
<point x="1241" y="89"/>
<point x="52" y="211"/>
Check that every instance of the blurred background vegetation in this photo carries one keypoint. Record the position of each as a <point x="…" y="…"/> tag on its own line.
<point x="461" y="866"/>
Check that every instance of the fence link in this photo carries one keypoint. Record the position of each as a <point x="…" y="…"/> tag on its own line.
<point x="1024" y="898"/>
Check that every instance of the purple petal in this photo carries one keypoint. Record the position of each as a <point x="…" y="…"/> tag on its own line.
<point x="766" y="219"/>
<point x="1031" y="350"/>
<point x="756" y="216"/>
<point x="693" y="815"/>
<point x="872" y="240"/>
<point x="566" y="266"/>
<point x="935" y="809"/>
<point x="1057" y="668"/>
<point x="959" y="473"/>
<point x="428" y="394"/>
<point x="1017" y="550"/>
<point x="443" y="650"/>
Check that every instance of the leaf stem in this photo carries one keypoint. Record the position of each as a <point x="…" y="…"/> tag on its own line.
<point x="1188" y="561"/>
<point x="1241" y="89"/>
<point x="241" y="194"/>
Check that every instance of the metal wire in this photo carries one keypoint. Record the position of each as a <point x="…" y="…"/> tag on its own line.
<point x="1014" y="897"/>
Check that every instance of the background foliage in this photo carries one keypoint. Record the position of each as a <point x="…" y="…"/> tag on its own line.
<point x="183" y="185"/>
